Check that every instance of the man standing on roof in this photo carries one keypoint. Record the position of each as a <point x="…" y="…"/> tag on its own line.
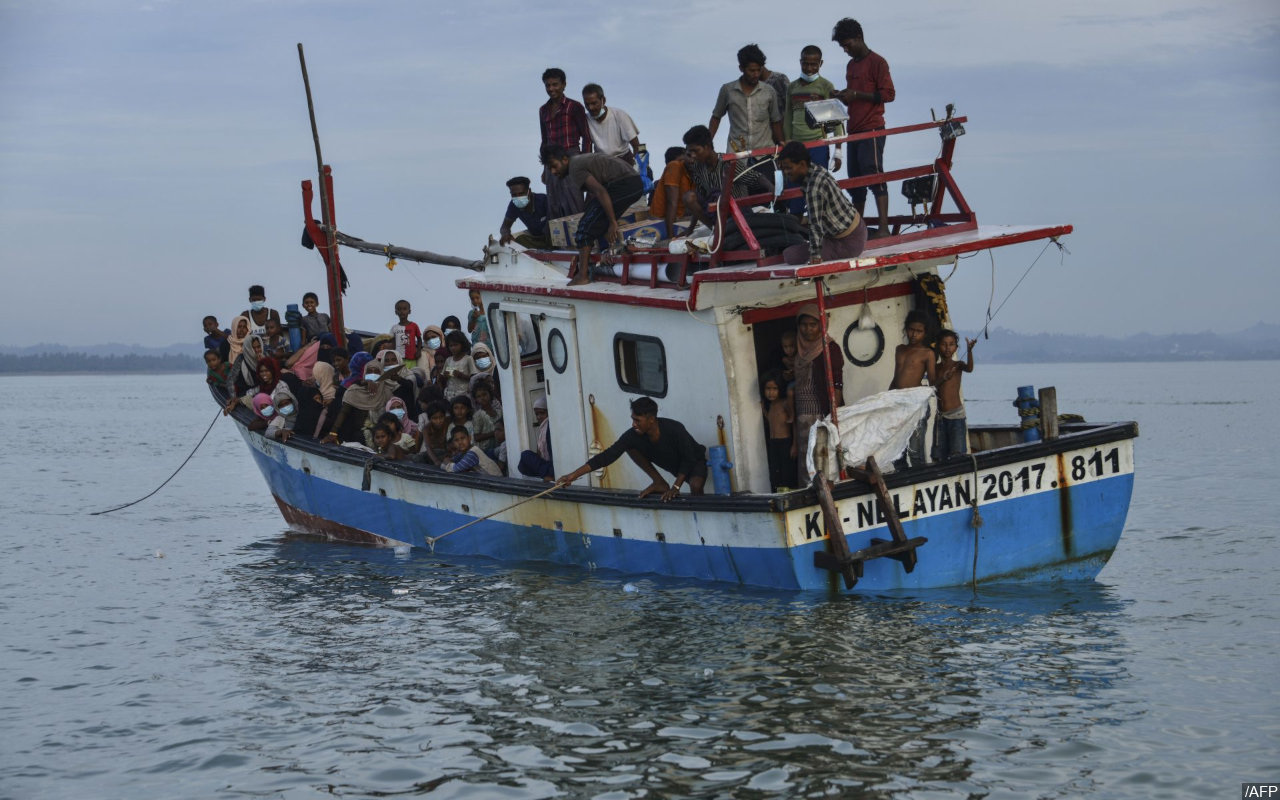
<point x="612" y="185"/>
<point x="870" y="86"/>
<point x="755" y="118"/>
<point x="613" y="132"/>
<point x="654" y="441"/>
<point x="564" y="123"/>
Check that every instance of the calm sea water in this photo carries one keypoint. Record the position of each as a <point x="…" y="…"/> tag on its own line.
<point x="189" y="647"/>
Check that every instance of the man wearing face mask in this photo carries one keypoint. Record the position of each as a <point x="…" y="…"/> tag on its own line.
<point x="258" y="313"/>
<point x="531" y="209"/>
<point x="808" y="88"/>
<point x="612" y="130"/>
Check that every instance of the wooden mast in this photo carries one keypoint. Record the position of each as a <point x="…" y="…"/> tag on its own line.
<point x="328" y="244"/>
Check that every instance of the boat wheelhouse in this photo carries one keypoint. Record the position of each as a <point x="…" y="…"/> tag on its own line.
<point x="693" y="331"/>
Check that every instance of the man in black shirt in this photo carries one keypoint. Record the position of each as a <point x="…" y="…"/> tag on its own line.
<point x="654" y="441"/>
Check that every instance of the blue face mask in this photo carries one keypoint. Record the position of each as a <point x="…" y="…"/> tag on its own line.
<point x="433" y="343"/>
<point x="520" y="202"/>
<point x="258" y="305"/>
<point x="286" y="410"/>
<point x="484" y="363"/>
<point x="810" y="78"/>
<point x="267" y="410"/>
<point x="399" y="412"/>
<point x="372" y="377"/>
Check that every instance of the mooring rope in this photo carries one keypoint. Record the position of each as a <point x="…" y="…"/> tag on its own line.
<point x="431" y="540"/>
<point x="175" y="472"/>
<point x="976" y="520"/>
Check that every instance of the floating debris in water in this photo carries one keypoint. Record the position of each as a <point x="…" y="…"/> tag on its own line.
<point x="630" y="587"/>
<point x="401" y="550"/>
<point x="399" y="591"/>
<point x="159" y="554"/>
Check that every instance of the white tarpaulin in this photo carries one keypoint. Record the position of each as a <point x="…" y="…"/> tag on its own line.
<point x="879" y="425"/>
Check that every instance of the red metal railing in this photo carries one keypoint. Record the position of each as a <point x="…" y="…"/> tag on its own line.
<point x="934" y="222"/>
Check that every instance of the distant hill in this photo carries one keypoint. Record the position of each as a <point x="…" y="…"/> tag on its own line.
<point x="1262" y="341"/>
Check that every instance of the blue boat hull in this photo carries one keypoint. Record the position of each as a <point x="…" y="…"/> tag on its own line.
<point x="1060" y="529"/>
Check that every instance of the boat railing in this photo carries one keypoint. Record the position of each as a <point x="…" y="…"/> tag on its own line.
<point x="653" y="265"/>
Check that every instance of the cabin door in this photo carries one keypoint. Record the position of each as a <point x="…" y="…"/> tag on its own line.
<point x="558" y="335"/>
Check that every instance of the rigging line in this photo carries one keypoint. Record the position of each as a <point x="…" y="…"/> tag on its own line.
<point x="992" y="315"/>
<point x="991" y="298"/>
<point x="175" y="472"/>
<point x="416" y="278"/>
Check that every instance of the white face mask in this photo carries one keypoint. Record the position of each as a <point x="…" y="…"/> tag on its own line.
<point x="287" y="410"/>
<point x="267" y="410"/>
<point x="372" y="377"/>
<point x="809" y="78"/>
<point x="433" y="343"/>
<point x="258" y="305"/>
<point x="399" y="412"/>
<point x="520" y="202"/>
<point x="484" y="363"/>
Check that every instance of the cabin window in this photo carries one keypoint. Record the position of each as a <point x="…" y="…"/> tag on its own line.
<point x="557" y="350"/>
<point x="641" y="364"/>
<point x="498" y="336"/>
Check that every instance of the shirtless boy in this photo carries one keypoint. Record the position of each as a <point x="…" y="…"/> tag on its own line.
<point x="913" y="362"/>
<point x="951" y="433"/>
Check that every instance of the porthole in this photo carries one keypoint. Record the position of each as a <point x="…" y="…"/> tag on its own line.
<point x="865" y="341"/>
<point x="557" y="350"/>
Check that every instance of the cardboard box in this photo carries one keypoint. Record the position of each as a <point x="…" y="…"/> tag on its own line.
<point x="656" y="228"/>
<point x="562" y="231"/>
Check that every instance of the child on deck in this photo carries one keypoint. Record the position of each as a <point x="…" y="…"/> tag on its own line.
<point x="407" y="337"/>
<point x="218" y="372"/>
<point x="434" y="425"/>
<point x="913" y="362"/>
<point x="276" y="341"/>
<point x="477" y="322"/>
<point x="216" y="338"/>
<point x="779" y="419"/>
<point x="458" y="367"/>
<point x="951" y="431"/>
<point x="467" y="457"/>
<point x="384" y="443"/>
<point x="789" y="349"/>
<point x="313" y="323"/>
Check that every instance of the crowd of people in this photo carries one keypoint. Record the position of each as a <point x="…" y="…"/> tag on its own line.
<point x="430" y="394"/>
<point x="433" y="395"/>
<point x="594" y="164"/>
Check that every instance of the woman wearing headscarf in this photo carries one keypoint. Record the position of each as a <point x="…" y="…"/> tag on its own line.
<point x="326" y="396"/>
<point x="244" y="373"/>
<point x="813" y="390"/>
<point x="263" y="411"/>
<point x="239" y="333"/>
<point x="397" y="407"/>
<point x="483" y="358"/>
<point x="282" y="425"/>
<point x="363" y="401"/>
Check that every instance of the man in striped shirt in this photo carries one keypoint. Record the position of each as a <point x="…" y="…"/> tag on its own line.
<point x="705" y="170"/>
<point x="836" y="230"/>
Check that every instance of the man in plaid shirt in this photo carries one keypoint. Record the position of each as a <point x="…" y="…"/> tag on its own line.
<point x="836" y="230"/>
<point x="563" y="122"/>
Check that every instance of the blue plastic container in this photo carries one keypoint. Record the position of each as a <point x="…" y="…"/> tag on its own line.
<point x="718" y="464"/>
<point x="1029" y="412"/>
<point x="293" y="321"/>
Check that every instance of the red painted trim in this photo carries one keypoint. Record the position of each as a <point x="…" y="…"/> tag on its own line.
<point x="310" y="523"/>
<point x="853" y="137"/>
<point x="854" y="297"/>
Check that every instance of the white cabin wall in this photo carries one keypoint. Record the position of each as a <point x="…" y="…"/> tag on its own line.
<point x="696" y="390"/>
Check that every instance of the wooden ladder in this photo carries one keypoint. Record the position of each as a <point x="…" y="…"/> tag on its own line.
<point x="839" y="558"/>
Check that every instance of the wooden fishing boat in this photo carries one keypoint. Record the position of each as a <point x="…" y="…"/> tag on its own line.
<point x="691" y="331"/>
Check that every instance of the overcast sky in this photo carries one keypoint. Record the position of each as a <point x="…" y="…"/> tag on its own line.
<point x="151" y="152"/>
